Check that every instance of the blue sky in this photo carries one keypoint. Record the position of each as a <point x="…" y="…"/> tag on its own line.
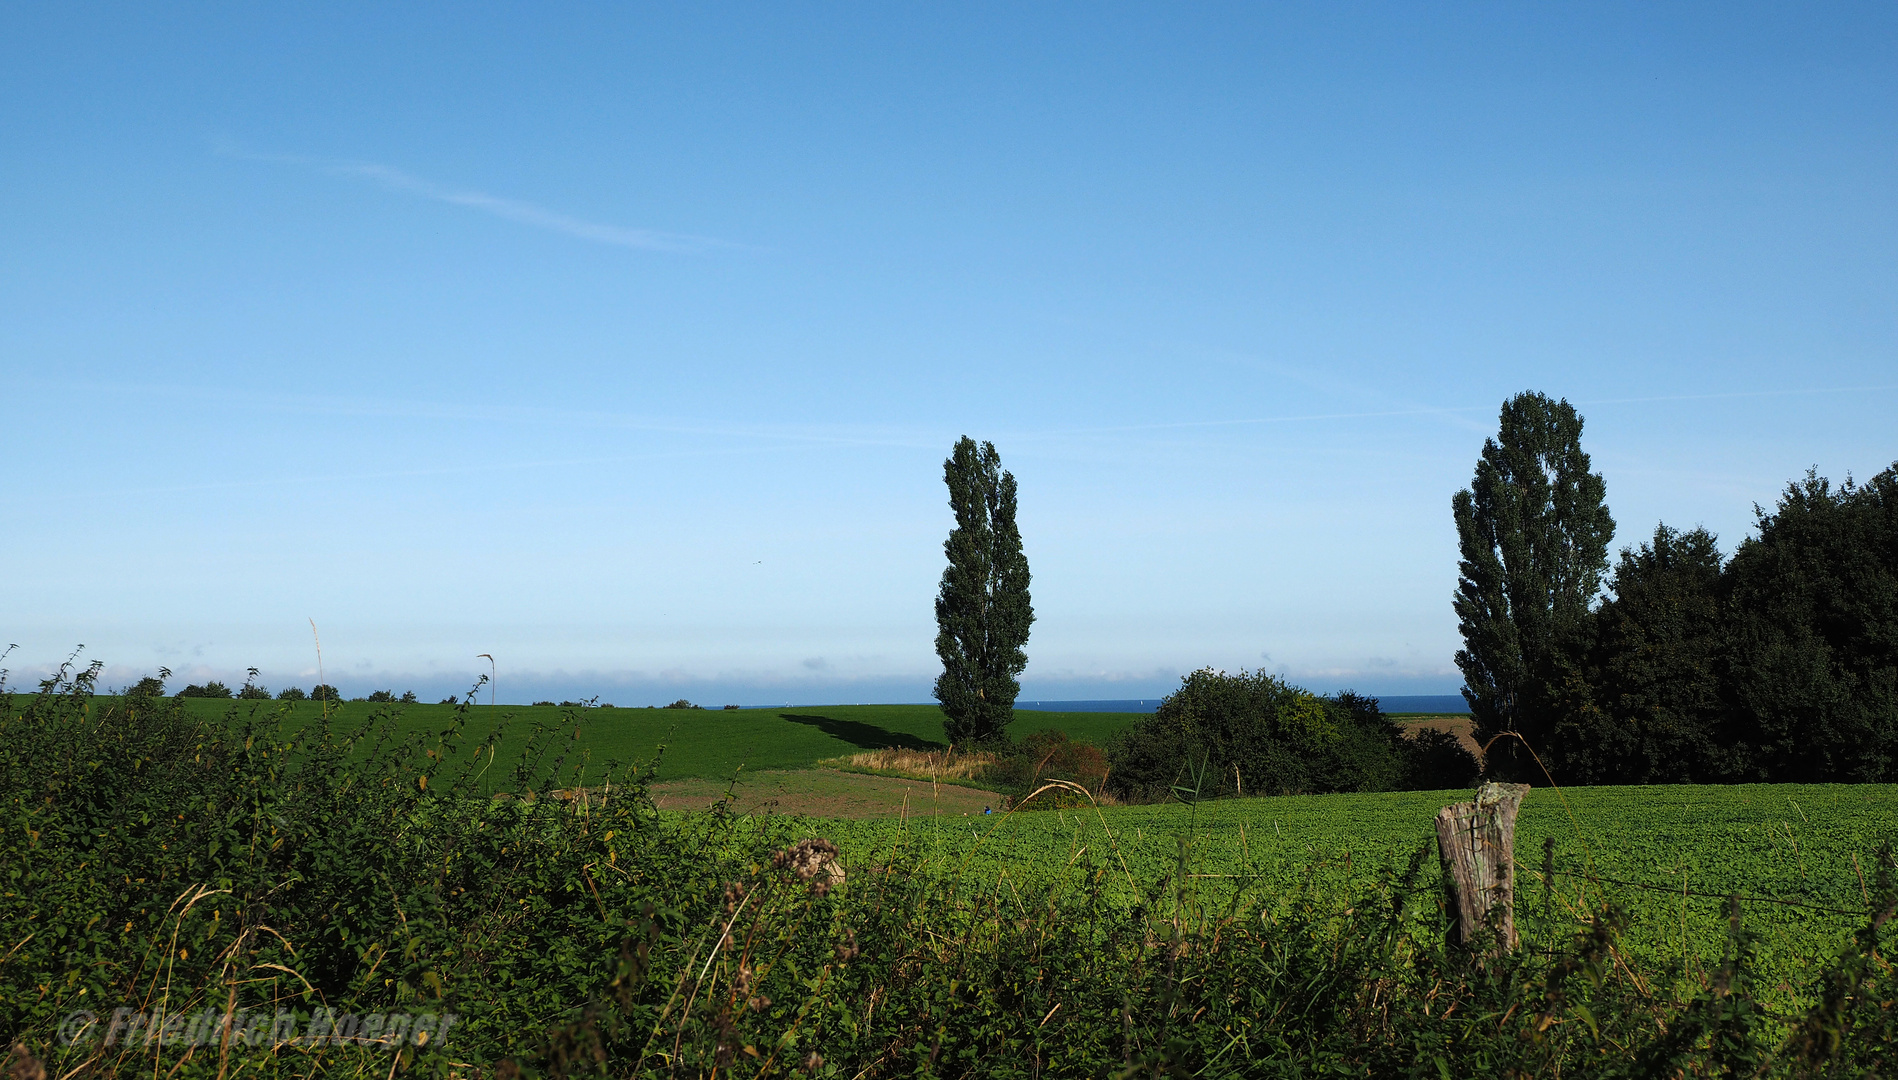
<point x="626" y="344"/>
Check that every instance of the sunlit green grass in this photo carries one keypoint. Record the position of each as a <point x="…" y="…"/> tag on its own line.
<point x="698" y="743"/>
<point x="1792" y="843"/>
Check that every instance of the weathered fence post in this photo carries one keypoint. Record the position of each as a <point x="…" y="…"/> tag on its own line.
<point x="1477" y="841"/>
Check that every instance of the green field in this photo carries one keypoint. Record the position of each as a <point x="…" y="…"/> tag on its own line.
<point x="1788" y="850"/>
<point x="699" y="743"/>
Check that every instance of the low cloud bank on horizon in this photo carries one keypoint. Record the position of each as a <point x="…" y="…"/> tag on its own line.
<point x="633" y="688"/>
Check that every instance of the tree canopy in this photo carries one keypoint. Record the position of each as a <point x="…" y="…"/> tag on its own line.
<point x="1533" y="531"/>
<point x="983" y="611"/>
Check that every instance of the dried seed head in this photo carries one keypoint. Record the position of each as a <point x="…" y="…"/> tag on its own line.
<point x="815" y="858"/>
<point x="813" y="1061"/>
<point x="847" y="949"/>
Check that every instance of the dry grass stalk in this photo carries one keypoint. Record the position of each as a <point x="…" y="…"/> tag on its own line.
<point x="950" y="764"/>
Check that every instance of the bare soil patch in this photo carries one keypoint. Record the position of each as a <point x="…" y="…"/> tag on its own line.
<point x="828" y="793"/>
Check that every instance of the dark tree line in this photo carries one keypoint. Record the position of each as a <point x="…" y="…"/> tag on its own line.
<point x="1779" y="663"/>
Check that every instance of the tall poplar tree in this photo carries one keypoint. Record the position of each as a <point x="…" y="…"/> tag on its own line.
<point x="982" y="608"/>
<point x="1533" y="532"/>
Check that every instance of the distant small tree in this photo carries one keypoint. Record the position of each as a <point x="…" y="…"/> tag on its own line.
<point x="250" y="691"/>
<point x="682" y="704"/>
<point x="381" y="696"/>
<point x="291" y="693"/>
<point x="408" y="697"/>
<point x="212" y="689"/>
<point x="983" y="610"/>
<point x="149" y="686"/>
<point x="541" y="703"/>
<point x="450" y="700"/>
<point x="325" y="692"/>
<point x="1533" y="532"/>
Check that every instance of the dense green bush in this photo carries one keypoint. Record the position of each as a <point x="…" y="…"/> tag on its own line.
<point x="1254" y="733"/>
<point x="325" y="692"/>
<point x="211" y="689"/>
<point x="156" y="861"/>
<point x="291" y="693"/>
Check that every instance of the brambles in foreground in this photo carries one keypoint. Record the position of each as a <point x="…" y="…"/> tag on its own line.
<point x="594" y="935"/>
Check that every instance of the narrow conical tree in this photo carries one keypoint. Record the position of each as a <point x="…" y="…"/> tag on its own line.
<point x="982" y="608"/>
<point x="1534" y="533"/>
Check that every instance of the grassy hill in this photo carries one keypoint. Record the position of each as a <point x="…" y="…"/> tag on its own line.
<point x="699" y="743"/>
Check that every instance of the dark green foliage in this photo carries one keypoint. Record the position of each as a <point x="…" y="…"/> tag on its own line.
<point x="537" y="704"/>
<point x="211" y="689"/>
<point x="384" y="697"/>
<point x="408" y="697"/>
<point x="1437" y="761"/>
<point x="983" y="610"/>
<point x="1533" y="532"/>
<point x="1813" y="684"/>
<point x="1253" y="733"/>
<point x="1650" y="708"/>
<point x="1780" y="665"/>
<point x="325" y="692"/>
<point x="292" y="693"/>
<point x="679" y="704"/>
<point x="149" y="686"/>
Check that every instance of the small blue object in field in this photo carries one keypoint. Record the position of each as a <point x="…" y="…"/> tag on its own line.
<point x="986" y="810"/>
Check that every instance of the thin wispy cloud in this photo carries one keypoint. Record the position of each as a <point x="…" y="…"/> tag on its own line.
<point x="390" y="178"/>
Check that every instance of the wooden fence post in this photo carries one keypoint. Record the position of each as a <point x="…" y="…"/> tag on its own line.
<point x="1476" y="841"/>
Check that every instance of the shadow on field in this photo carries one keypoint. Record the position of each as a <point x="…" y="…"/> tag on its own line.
<point x="861" y="735"/>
